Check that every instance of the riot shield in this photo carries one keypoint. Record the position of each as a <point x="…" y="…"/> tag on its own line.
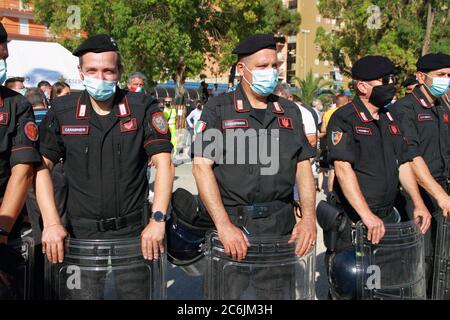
<point x="17" y="282"/>
<point x="441" y="274"/>
<point x="270" y="271"/>
<point x="395" y="268"/>
<point x="105" y="270"/>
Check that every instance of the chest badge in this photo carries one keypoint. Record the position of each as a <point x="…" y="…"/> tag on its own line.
<point x="424" y="117"/>
<point x="445" y="118"/>
<point x="234" y="124"/>
<point x="285" y="123"/>
<point x="394" y="129"/>
<point x="74" y="130"/>
<point x="4" y="118"/>
<point x="129" y="126"/>
<point x="363" y="131"/>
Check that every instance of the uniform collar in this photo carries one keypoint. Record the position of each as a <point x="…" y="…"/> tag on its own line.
<point x="361" y="110"/>
<point x="120" y="105"/>
<point x="241" y="103"/>
<point x="420" y="97"/>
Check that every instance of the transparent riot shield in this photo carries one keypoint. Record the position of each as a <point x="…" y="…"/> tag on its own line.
<point x="441" y="274"/>
<point x="270" y="271"/>
<point x="22" y="279"/>
<point x="395" y="268"/>
<point x="105" y="270"/>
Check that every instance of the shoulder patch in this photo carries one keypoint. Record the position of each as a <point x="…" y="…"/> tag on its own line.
<point x="200" y="126"/>
<point x="336" y="137"/>
<point x="31" y="131"/>
<point x="159" y="122"/>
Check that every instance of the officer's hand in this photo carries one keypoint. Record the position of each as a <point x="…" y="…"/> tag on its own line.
<point x="444" y="204"/>
<point x="422" y="218"/>
<point x="305" y="233"/>
<point x="375" y="228"/>
<point x="234" y="241"/>
<point x="152" y="239"/>
<point x="53" y="242"/>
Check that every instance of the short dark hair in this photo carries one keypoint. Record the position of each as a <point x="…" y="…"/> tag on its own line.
<point x="14" y="79"/>
<point x="43" y="83"/>
<point x="57" y="88"/>
<point x="35" y="96"/>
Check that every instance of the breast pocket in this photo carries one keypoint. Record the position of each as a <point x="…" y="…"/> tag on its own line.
<point x="79" y="152"/>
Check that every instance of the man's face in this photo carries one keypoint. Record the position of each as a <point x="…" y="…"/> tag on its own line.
<point x="135" y="83"/>
<point x="64" y="92"/>
<point x="46" y="88"/>
<point x="366" y="87"/>
<point x="17" y="86"/>
<point x="427" y="77"/>
<point x="263" y="59"/>
<point x="101" y="66"/>
<point x="4" y="50"/>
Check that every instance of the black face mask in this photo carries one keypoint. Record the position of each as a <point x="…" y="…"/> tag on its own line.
<point x="382" y="95"/>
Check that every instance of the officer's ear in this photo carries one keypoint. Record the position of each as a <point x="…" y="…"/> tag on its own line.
<point x="421" y="77"/>
<point x="361" y="87"/>
<point x="80" y="72"/>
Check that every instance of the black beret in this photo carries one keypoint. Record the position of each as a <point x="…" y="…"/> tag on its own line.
<point x="255" y="43"/>
<point x="97" y="43"/>
<point x="3" y="34"/>
<point x="372" y="68"/>
<point x="433" y="61"/>
<point x="410" y="81"/>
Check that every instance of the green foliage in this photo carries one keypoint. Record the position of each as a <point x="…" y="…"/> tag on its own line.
<point x="310" y="88"/>
<point x="400" y="35"/>
<point x="168" y="38"/>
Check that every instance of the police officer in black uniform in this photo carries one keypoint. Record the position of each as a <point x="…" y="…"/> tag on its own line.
<point x="370" y="155"/>
<point x="242" y="198"/>
<point x="424" y="120"/>
<point x="106" y="137"/>
<point x="18" y="155"/>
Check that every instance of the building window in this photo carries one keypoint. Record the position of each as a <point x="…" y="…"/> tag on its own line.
<point x="292" y="4"/>
<point x="24" y="26"/>
<point x="23" y="6"/>
<point x="316" y="62"/>
<point x="327" y="21"/>
<point x="333" y="22"/>
<point x="318" y="18"/>
<point x="316" y="75"/>
<point x="326" y="63"/>
<point x="317" y="47"/>
<point x="326" y="76"/>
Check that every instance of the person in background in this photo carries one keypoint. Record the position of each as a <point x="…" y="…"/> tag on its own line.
<point x="16" y="84"/>
<point x="46" y="88"/>
<point x="340" y="101"/>
<point x="59" y="89"/>
<point x="194" y="116"/>
<point x="136" y="82"/>
<point x="410" y="83"/>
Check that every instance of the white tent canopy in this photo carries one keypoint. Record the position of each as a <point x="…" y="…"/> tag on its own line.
<point x="36" y="61"/>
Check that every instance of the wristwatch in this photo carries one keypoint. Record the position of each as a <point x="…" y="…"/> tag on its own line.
<point x="158" y="216"/>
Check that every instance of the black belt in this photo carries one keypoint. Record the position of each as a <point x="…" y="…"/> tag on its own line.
<point x="257" y="210"/>
<point x="110" y="223"/>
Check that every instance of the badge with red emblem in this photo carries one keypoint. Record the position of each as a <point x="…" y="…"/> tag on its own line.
<point x="31" y="131"/>
<point x="285" y="123"/>
<point x="446" y="118"/>
<point x="129" y="126"/>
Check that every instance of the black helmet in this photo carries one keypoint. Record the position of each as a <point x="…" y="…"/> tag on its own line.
<point x="186" y="228"/>
<point x="343" y="275"/>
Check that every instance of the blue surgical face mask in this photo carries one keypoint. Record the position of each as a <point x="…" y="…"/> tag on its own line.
<point x="264" y="81"/>
<point x="100" y="90"/>
<point x="23" y="91"/>
<point x="439" y="86"/>
<point x="2" y="71"/>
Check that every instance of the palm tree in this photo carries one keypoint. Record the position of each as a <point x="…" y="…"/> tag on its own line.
<point x="309" y="88"/>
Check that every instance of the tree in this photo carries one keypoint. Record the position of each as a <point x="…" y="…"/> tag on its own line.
<point x="168" y="39"/>
<point x="399" y="29"/>
<point x="310" y="88"/>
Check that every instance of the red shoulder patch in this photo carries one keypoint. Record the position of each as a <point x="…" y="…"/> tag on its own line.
<point x="31" y="131"/>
